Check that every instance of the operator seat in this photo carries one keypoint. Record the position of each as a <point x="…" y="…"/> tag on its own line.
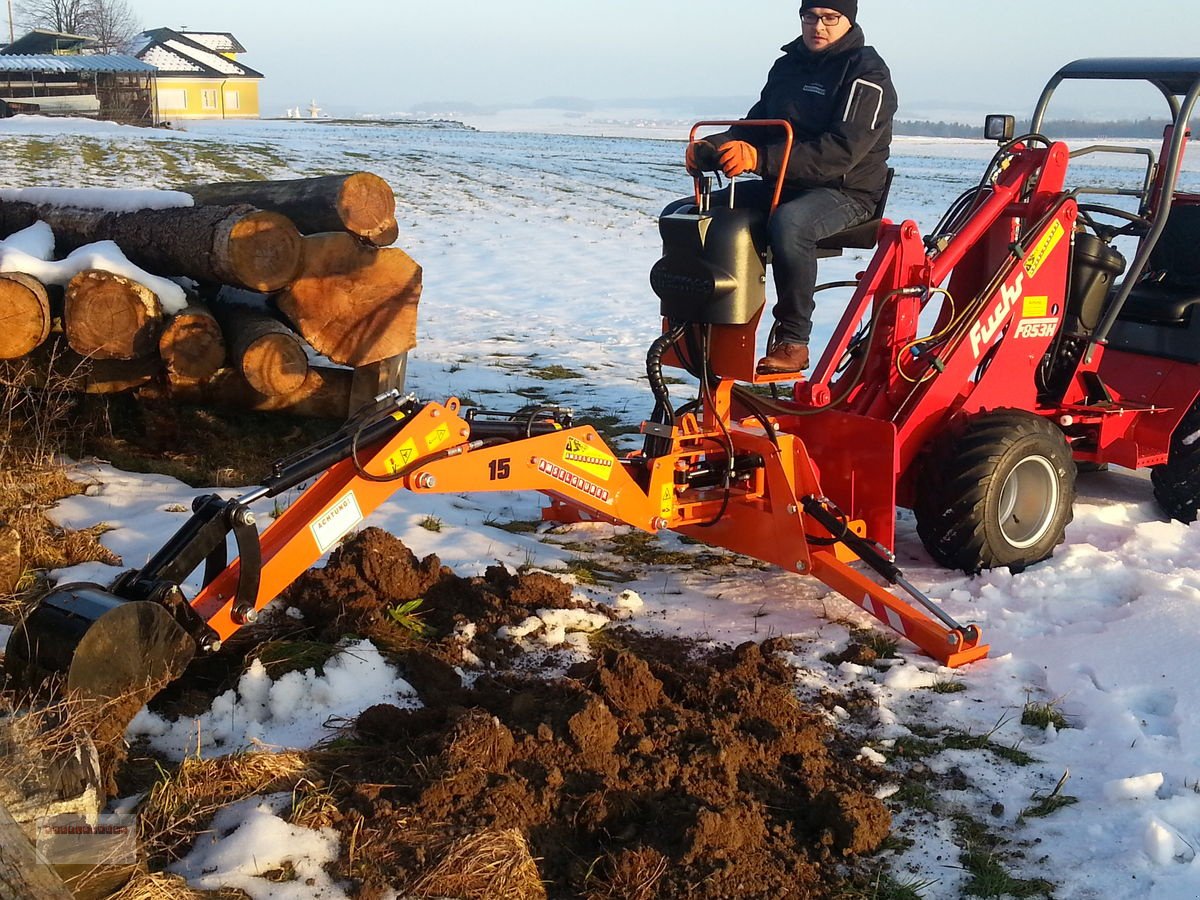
<point x="863" y="236"/>
<point x="1159" y="317"/>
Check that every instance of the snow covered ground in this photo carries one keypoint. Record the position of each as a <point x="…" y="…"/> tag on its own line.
<point x="536" y="249"/>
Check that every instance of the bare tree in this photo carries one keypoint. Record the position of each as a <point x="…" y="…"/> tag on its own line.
<point x="67" y="16"/>
<point x="111" y="22"/>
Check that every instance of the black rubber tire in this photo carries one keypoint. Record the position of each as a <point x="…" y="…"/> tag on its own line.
<point x="1177" y="481"/>
<point x="998" y="491"/>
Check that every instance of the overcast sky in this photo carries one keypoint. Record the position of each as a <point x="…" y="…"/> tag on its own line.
<point x="385" y="56"/>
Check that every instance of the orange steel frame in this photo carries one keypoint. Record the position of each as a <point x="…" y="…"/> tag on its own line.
<point x="763" y="517"/>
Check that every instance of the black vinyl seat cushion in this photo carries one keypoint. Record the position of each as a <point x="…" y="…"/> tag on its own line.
<point x="1158" y="303"/>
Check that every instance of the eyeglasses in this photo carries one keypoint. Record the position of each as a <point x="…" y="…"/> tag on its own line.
<point x="829" y="19"/>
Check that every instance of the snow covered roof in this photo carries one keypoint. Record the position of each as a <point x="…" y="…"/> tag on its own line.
<point x="166" y="61"/>
<point x="218" y="41"/>
<point x="74" y="64"/>
<point x="178" y="53"/>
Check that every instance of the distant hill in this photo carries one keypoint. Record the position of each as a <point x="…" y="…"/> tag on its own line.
<point x="1062" y="128"/>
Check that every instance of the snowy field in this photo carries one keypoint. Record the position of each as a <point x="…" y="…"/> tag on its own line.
<point x="536" y="250"/>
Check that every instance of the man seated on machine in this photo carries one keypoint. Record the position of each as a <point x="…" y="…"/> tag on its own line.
<point x="837" y="93"/>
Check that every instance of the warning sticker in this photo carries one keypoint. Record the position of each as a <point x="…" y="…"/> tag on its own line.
<point x="437" y="437"/>
<point x="336" y="522"/>
<point x="595" y="462"/>
<point x="1035" y="307"/>
<point x="1034" y="261"/>
<point x="570" y="478"/>
<point x="666" y="505"/>
<point x="403" y="456"/>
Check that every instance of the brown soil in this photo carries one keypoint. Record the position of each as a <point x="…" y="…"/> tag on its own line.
<point x="651" y="771"/>
<point x="374" y="573"/>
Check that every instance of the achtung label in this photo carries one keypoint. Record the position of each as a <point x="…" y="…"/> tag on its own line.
<point x="1034" y="261"/>
<point x="595" y="462"/>
<point x="336" y="522"/>
<point x="666" y="504"/>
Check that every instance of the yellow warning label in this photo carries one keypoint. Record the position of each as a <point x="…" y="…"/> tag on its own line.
<point x="1034" y="261"/>
<point x="437" y="437"/>
<point x="667" y="505"/>
<point x="1035" y="307"/>
<point x="596" y="463"/>
<point x="403" y="456"/>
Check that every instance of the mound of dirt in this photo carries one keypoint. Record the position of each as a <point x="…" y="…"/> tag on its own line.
<point x="374" y="573"/>
<point x="643" y="774"/>
<point x="658" y="769"/>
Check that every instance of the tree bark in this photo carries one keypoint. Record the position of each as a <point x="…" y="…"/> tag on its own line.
<point x="191" y="344"/>
<point x="22" y="873"/>
<point x="353" y="303"/>
<point x="24" y="314"/>
<point x="325" y="394"/>
<point x="108" y="316"/>
<point x="236" y="245"/>
<point x="268" y="354"/>
<point x="360" y="203"/>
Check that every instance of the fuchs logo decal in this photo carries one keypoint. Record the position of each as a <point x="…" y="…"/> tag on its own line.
<point x="814" y="89"/>
<point x="985" y="329"/>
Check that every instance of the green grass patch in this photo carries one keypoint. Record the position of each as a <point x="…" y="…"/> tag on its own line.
<point x="281" y="657"/>
<point x="947" y="686"/>
<point x="1048" y="804"/>
<point x="431" y="523"/>
<point x="407" y="615"/>
<point x="916" y="795"/>
<point x="1042" y="715"/>
<point x="983" y="858"/>
<point x="554" y="373"/>
<point x="518" y="526"/>
<point x="883" y="886"/>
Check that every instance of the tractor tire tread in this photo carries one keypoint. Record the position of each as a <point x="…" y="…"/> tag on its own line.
<point x="1177" y="481"/>
<point x="953" y="484"/>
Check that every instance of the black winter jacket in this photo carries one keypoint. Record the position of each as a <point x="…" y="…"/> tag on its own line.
<point x="840" y="102"/>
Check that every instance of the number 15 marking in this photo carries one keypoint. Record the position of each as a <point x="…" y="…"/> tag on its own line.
<point x="500" y="469"/>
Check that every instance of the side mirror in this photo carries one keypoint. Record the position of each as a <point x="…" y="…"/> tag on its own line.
<point x="999" y="128"/>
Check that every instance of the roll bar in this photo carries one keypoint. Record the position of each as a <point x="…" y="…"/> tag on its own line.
<point x="1178" y="80"/>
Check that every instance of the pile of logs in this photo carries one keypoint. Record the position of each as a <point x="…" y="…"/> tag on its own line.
<point x="277" y="265"/>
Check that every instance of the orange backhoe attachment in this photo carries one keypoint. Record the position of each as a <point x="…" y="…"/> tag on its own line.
<point x="771" y="510"/>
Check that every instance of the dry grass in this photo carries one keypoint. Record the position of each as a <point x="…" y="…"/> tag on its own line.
<point x="628" y="875"/>
<point x="183" y="800"/>
<point x="160" y="886"/>
<point x="34" y="425"/>
<point x="484" y="866"/>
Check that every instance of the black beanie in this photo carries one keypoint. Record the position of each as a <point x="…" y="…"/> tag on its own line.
<point x="848" y="8"/>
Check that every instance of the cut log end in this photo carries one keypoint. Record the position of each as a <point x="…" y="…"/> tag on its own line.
<point x="264" y="251"/>
<point x="109" y="316"/>
<point x="24" y="315"/>
<point x="275" y="365"/>
<point x="354" y="303"/>
<point x="366" y="205"/>
<point x="387" y="235"/>
<point x="192" y="345"/>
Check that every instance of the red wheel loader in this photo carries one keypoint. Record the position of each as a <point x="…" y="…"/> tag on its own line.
<point x="1041" y="349"/>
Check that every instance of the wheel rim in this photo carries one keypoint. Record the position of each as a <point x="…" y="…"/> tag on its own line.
<point x="1028" y="501"/>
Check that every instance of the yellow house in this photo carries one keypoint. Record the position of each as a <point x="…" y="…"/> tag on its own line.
<point x="199" y="76"/>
